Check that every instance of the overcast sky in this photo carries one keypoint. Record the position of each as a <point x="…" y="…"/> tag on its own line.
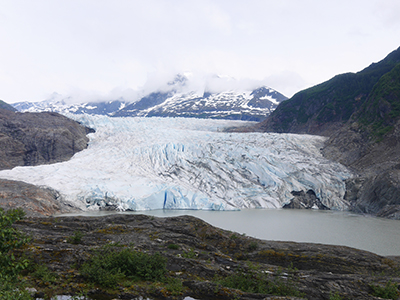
<point x="101" y="48"/>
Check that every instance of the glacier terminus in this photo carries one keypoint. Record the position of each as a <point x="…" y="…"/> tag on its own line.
<point x="135" y="163"/>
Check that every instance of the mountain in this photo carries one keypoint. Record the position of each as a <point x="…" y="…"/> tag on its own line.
<point x="360" y="114"/>
<point x="174" y="101"/>
<point x="6" y="106"/>
<point x="329" y="105"/>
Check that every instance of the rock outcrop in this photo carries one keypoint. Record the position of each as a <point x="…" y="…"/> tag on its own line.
<point x="305" y="200"/>
<point x="376" y="189"/>
<point x="34" y="200"/>
<point x="198" y="259"/>
<point x="29" y="139"/>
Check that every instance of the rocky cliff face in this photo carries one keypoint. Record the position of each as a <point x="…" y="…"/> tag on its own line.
<point x="31" y="139"/>
<point x="376" y="189"/>
<point x="38" y="138"/>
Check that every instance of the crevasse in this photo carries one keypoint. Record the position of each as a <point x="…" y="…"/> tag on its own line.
<point x="178" y="163"/>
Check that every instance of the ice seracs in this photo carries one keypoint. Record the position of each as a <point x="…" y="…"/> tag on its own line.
<point x="179" y="163"/>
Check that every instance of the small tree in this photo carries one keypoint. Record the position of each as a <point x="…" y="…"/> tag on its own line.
<point x="10" y="239"/>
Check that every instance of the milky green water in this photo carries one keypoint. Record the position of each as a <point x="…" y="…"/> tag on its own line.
<point x="381" y="236"/>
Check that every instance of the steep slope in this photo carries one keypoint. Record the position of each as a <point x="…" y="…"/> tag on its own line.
<point x="7" y="106"/>
<point x="31" y="139"/>
<point x="327" y="106"/>
<point x="370" y="144"/>
<point x="360" y="113"/>
<point x="28" y="139"/>
<point x="174" y="101"/>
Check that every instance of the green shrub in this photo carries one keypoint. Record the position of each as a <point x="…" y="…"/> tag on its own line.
<point x="253" y="246"/>
<point x="389" y="291"/>
<point x="173" y="285"/>
<point x="258" y="282"/>
<point x="76" y="238"/>
<point x="109" y="266"/>
<point x="44" y="274"/>
<point x="12" y="289"/>
<point x="335" y="296"/>
<point x="173" y="246"/>
<point x="10" y="239"/>
<point x="189" y="254"/>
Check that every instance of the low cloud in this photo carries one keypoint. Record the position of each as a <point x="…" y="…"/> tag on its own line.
<point x="184" y="82"/>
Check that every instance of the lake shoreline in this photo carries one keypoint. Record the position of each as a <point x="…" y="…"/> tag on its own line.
<point x="201" y="260"/>
<point x="370" y="233"/>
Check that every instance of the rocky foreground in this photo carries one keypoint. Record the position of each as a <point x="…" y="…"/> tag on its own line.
<point x="202" y="261"/>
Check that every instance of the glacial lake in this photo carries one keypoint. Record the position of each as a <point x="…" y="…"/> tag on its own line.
<point x="377" y="235"/>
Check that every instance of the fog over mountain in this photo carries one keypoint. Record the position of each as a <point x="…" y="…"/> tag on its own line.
<point x="184" y="95"/>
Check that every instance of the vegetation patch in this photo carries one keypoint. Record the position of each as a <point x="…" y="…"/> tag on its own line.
<point x="389" y="291"/>
<point x="109" y="266"/>
<point x="76" y="238"/>
<point x="11" y="287"/>
<point x="173" y="246"/>
<point x="115" y="229"/>
<point x="256" y="281"/>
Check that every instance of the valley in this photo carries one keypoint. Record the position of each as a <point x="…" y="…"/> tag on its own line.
<point x="177" y="163"/>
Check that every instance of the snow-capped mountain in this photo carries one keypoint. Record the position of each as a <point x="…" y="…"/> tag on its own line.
<point x="181" y="163"/>
<point x="174" y="100"/>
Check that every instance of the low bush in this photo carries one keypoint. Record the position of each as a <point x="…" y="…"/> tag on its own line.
<point x="11" y="239"/>
<point x="44" y="274"/>
<point x="173" y="246"/>
<point x="253" y="246"/>
<point x="109" y="266"/>
<point x="389" y="291"/>
<point x="11" y="288"/>
<point x="258" y="282"/>
<point x="76" y="238"/>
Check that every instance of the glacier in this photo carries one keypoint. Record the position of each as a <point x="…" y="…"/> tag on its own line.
<point x="136" y="163"/>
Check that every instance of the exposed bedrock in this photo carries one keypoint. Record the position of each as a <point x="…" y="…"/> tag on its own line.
<point x="376" y="189"/>
<point x="305" y="200"/>
<point x="29" y="139"/>
<point x="378" y="194"/>
<point x="200" y="255"/>
<point x="34" y="200"/>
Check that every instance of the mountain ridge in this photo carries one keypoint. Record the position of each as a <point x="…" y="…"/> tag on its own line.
<point x="333" y="101"/>
<point x="251" y="105"/>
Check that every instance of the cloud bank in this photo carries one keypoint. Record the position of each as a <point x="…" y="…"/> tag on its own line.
<point x="98" y="48"/>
